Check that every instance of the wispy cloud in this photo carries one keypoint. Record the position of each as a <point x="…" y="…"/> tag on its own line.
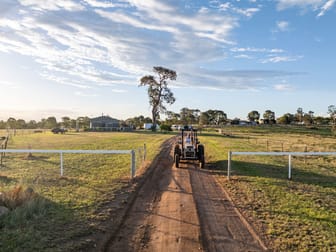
<point x="52" y="5"/>
<point x="256" y="50"/>
<point x="87" y="44"/>
<point x="229" y="7"/>
<point x="327" y="6"/>
<point x="320" y="6"/>
<point x="102" y="4"/>
<point x="283" y="26"/>
<point x="243" y="56"/>
<point x="283" y="87"/>
<point x="277" y="59"/>
<point x="118" y="90"/>
<point x="117" y="38"/>
<point x="232" y="79"/>
<point x="264" y="55"/>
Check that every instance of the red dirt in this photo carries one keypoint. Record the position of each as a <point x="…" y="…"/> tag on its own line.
<point x="183" y="209"/>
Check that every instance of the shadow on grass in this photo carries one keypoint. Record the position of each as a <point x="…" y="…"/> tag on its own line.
<point x="41" y="158"/>
<point x="241" y="168"/>
<point x="149" y="132"/>
<point x="224" y="135"/>
<point x="6" y="180"/>
<point x="247" y="171"/>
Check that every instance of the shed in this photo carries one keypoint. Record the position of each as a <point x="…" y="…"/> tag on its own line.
<point x="105" y="123"/>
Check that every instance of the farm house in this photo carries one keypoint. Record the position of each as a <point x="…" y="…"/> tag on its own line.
<point x="104" y="123"/>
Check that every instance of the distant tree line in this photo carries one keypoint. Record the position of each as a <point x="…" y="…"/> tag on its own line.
<point x="211" y="117"/>
<point x="186" y="116"/>
<point x="46" y="123"/>
<point x="306" y="118"/>
<point x="138" y="121"/>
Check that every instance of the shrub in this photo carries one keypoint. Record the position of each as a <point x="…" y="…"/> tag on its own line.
<point x="17" y="197"/>
<point x="165" y="127"/>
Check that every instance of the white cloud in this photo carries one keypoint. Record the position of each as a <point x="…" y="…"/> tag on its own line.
<point x="123" y="40"/>
<point x="151" y="5"/>
<point x="256" y="50"/>
<point x="225" y="6"/>
<point x="243" y="56"/>
<point x="134" y="21"/>
<point x="119" y="91"/>
<point x="327" y="6"/>
<point x="283" y="87"/>
<point x="230" y="79"/>
<point x="322" y="6"/>
<point x="101" y="4"/>
<point x="53" y="5"/>
<point x="248" y="12"/>
<point x="277" y="59"/>
<point x="283" y="25"/>
<point x="285" y="4"/>
<point x="203" y="10"/>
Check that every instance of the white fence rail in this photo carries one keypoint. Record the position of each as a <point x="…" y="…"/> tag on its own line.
<point x="289" y="154"/>
<point x="61" y="152"/>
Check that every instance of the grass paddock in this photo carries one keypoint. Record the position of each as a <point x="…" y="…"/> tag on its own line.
<point x="291" y="215"/>
<point x="66" y="208"/>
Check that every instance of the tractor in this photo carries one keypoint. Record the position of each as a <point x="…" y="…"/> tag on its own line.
<point x="188" y="147"/>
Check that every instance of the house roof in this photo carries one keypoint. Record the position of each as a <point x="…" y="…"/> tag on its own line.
<point x="104" y="119"/>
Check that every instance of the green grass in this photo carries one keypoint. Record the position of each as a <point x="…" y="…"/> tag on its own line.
<point x="296" y="215"/>
<point x="67" y="208"/>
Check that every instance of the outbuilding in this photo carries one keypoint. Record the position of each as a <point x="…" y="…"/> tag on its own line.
<point x="104" y="123"/>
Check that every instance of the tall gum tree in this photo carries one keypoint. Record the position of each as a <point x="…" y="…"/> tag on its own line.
<point x="158" y="91"/>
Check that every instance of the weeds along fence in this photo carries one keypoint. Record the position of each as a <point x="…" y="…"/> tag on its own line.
<point x="137" y="156"/>
<point x="289" y="154"/>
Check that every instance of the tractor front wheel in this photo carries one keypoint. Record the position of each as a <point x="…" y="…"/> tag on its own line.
<point x="202" y="161"/>
<point x="201" y="156"/>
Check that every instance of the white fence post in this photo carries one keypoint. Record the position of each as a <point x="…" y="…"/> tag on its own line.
<point x="289" y="154"/>
<point x="132" y="163"/>
<point x="145" y="152"/>
<point x="229" y="164"/>
<point x="132" y="152"/>
<point x="289" y="166"/>
<point x="61" y="154"/>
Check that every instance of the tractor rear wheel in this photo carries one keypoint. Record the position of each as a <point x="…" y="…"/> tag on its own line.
<point x="177" y="151"/>
<point x="177" y="160"/>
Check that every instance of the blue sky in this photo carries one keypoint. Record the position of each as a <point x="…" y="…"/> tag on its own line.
<point x="85" y="57"/>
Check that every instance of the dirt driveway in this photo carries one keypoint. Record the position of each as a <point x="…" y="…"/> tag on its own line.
<point x="183" y="209"/>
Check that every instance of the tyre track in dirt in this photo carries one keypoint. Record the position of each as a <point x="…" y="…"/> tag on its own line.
<point x="183" y="209"/>
<point x="223" y="227"/>
<point x="163" y="216"/>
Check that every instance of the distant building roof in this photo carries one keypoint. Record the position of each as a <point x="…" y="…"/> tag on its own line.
<point x="104" y="119"/>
